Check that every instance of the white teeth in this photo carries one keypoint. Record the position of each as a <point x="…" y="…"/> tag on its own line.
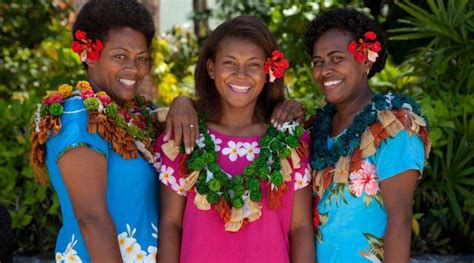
<point x="332" y="83"/>
<point x="128" y="82"/>
<point x="239" y="88"/>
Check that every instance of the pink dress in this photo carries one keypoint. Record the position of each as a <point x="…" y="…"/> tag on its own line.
<point x="204" y="238"/>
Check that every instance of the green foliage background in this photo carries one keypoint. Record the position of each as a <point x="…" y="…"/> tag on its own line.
<point x="432" y="42"/>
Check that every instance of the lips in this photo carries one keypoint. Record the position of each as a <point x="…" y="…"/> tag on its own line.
<point x="328" y="84"/>
<point x="127" y="83"/>
<point x="239" y="88"/>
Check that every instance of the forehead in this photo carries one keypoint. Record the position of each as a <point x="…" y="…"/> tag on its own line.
<point x="237" y="47"/>
<point x="126" y="38"/>
<point x="332" y="40"/>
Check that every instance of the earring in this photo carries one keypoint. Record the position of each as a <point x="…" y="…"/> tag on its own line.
<point x="211" y="75"/>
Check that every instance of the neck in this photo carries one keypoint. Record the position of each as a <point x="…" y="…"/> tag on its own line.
<point x="348" y="109"/>
<point x="238" y="122"/>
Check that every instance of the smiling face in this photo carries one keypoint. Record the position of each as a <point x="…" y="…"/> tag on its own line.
<point x="340" y="77"/>
<point x="122" y="65"/>
<point x="238" y="73"/>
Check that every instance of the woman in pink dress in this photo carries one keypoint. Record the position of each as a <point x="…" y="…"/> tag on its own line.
<point x="242" y="195"/>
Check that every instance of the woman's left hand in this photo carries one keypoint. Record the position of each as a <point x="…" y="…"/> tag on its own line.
<point x="287" y="111"/>
<point x="182" y="121"/>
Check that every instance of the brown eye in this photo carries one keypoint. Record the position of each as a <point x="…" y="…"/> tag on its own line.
<point x="317" y="63"/>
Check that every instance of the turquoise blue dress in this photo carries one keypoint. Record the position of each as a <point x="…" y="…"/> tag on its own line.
<point x="132" y="192"/>
<point x="353" y="218"/>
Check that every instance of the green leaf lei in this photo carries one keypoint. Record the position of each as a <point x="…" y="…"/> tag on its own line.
<point x="349" y="141"/>
<point x="274" y="146"/>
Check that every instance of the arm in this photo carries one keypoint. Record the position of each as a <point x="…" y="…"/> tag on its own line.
<point x="302" y="232"/>
<point x="171" y="218"/>
<point x="287" y="111"/>
<point x="181" y="116"/>
<point x="397" y="193"/>
<point x="84" y="172"/>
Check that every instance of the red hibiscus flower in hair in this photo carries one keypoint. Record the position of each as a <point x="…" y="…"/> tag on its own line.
<point x="276" y="65"/>
<point x="367" y="49"/>
<point x="85" y="47"/>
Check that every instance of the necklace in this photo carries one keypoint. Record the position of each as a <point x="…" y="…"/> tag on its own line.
<point x="216" y="185"/>
<point x="129" y="128"/>
<point x="348" y="142"/>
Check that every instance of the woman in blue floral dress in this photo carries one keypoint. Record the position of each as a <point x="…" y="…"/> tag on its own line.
<point x="96" y="140"/>
<point x="368" y="149"/>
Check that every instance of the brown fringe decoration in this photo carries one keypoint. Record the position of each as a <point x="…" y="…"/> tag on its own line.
<point x="223" y="210"/>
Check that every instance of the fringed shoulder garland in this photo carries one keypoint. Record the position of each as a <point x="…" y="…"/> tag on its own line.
<point x="384" y="117"/>
<point x="130" y="129"/>
<point x="237" y="199"/>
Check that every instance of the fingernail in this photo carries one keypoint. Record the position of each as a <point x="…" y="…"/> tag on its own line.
<point x="192" y="148"/>
<point x="272" y="121"/>
<point x="188" y="150"/>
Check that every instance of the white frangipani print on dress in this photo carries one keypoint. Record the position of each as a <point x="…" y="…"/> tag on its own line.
<point x="216" y="141"/>
<point x="132" y="251"/>
<point x="249" y="150"/>
<point x="166" y="175"/>
<point x="69" y="255"/>
<point x="302" y="180"/>
<point x="232" y="150"/>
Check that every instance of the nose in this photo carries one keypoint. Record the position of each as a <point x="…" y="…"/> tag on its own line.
<point x="131" y="66"/>
<point x="241" y="71"/>
<point x="326" y="70"/>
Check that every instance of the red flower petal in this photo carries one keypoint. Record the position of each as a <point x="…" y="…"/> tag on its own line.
<point x="277" y="54"/>
<point x="76" y="47"/>
<point x="98" y="45"/>
<point x="359" y="56"/>
<point x="370" y="35"/>
<point x="376" y="47"/>
<point x="80" y="34"/>
<point x="93" y="55"/>
<point x="352" y="47"/>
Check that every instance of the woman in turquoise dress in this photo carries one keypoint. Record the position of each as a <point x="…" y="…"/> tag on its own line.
<point x="368" y="149"/>
<point x="96" y="140"/>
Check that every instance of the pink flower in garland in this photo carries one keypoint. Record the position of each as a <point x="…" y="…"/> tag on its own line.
<point x="53" y="98"/>
<point x="364" y="180"/>
<point x="87" y="93"/>
<point x="105" y="100"/>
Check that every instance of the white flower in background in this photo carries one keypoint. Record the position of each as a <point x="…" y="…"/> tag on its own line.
<point x="249" y="150"/>
<point x="232" y="150"/>
<point x="166" y="175"/>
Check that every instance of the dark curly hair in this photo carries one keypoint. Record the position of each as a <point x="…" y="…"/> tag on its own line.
<point x="246" y="28"/>
<point x="98" y="17"/>
<point x="349" y="20"/>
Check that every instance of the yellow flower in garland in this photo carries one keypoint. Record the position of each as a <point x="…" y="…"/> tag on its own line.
<point x="82" y="85"/>
<point x="65" y="90"/>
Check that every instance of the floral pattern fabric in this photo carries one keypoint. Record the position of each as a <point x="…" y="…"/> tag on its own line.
<point x="263" y="240"/>
<point x="132" y="192"/>
<point x="352" y="218"/>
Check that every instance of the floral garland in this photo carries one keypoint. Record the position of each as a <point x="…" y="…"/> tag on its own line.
<point x="231" y="193"/>
<point x="348" y="142"/>
<point x="129" y="128"/>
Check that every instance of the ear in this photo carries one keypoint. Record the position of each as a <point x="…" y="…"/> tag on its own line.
<point x="91" y="63"/>
<point x="210" y="68"/>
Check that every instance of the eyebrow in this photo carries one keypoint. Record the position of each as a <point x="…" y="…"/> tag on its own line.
<point x="330" y="53"/>
<point x="124" y="49"/>
<point x="230" y="56"/>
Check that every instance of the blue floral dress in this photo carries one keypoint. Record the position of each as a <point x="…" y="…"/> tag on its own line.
<point x="132" y="192"/>
<point x="352" y="216"/>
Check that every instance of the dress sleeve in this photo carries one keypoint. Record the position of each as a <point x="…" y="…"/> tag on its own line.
<point x="169" y="170"/>
<point x="73" y="132"/>
<point x="398" y="154"/>
<point x="302" y="174"/>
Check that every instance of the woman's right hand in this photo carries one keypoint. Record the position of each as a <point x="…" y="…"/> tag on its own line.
<point x="182" y="123"/>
